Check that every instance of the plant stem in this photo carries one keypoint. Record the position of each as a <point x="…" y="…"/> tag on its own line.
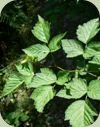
<point x="76" y="73"/>
<point x="92" y="74"/>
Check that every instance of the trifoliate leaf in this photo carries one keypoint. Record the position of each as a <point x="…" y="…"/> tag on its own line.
<point x="12" y="83"/>
<point x="94" y="89"/>
<point x="88" y="30"/>
<point x="72" y="48"/>
<point x="46" y="77"/>
<point x="62" y="77"/>
<point x="55" y="43"/>
<point x="41" y="96"/>
<point x="37" y="51"/>
<point x="78" y="88"/>
<point x="42" y="30"/>
<point x="80" y="114"/>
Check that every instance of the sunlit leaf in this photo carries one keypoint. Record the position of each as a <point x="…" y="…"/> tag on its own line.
<point x="94" y="89"/>
<point x="80" y="114"/>
<point x="41" y="96"/>
<point x="88" y="30"/>
<point x="42" y="30"/>
<point x="12" y="83"/>
<point x="37" y="51"/>
<point x="55" y="43"/>
<point x="45" y="77"/>
<point x="64" y="94"/>
<point x="78" y="88"/>
<point x="72" y="48"/>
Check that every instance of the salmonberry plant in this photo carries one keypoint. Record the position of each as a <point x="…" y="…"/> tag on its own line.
<point x="81" y="84"/>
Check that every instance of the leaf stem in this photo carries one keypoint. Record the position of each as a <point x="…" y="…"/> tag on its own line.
<point x="92" y="74"/>
<point x="76" y="73"/>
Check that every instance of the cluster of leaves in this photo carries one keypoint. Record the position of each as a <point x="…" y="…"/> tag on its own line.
<point x="81" y="84"/>
<point x="17" y="116"/>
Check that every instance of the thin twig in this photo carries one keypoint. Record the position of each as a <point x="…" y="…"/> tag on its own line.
<point x="92" y="74"/>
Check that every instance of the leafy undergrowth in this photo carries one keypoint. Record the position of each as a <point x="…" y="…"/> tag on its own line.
<point x="54" y="81"/>
<point x="37" y="79"/>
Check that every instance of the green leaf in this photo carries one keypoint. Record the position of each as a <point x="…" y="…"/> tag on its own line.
<point x="94" y="45"/>
<point x="94" y="89"/>
<point x="37" y="51"/>
<point x="91" y="50"/>
<point x="41" y="96"/>
<point x="46" y="77"/>
<point x="96" y="59"/>
<point x="42" y="30"/>
<point x="26" y="72"/>
<point x="25" y="69"/>
<point x="80" y="114"/>
<point x="88" y="30"/>
<point x="89" y="53"/>
<point x="64" y="94"/>
<point x="73" y="48"/>
<point x="12" y="83"/>
<point x="62" y="77"/>
<point x="55" y="43"/>
<point x="78" y="88"/>
<point x="26" y="79"/>
<point x="17" y="116"/>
